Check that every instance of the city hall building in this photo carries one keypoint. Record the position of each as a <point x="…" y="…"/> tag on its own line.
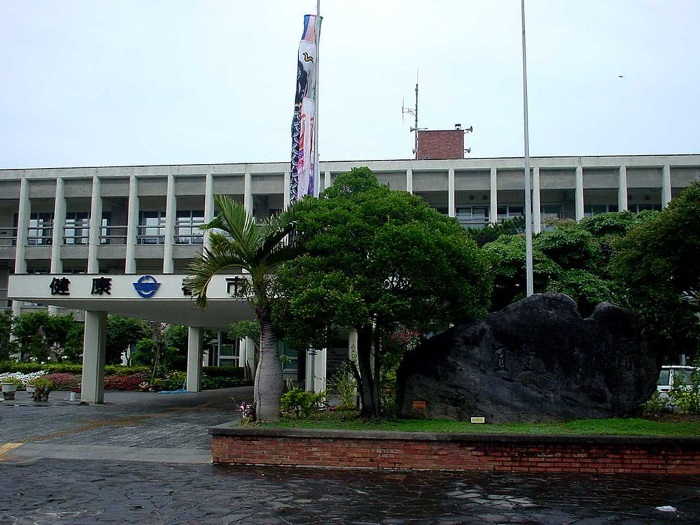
<point x="118" y="239"/>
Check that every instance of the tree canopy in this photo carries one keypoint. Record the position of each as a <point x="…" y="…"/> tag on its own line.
<point x="373" y="259"/>
<point x="659" y="264"/>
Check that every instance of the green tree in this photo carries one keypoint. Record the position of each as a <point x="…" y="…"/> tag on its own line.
<point x="237" y="242"/>
<point x="373" y="259"/>
<point x="7" y="345"/>
<point x="659" y="263"/>
<point x="122" y="333"/>
<point x="44" y="337"/>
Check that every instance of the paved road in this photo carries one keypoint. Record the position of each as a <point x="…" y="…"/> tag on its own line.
<point x="143" y="458"/>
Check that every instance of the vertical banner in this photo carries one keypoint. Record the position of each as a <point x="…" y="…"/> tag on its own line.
<point x="303" y="169"/>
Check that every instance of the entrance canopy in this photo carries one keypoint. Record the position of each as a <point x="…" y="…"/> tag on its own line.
<point x="159" y="298"/>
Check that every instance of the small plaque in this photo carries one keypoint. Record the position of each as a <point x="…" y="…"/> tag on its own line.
<point x="419" y="405"/>
<point x="478" y="420"/>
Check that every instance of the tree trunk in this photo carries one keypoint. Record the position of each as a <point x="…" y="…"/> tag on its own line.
<point x="364" y="359"/>
<point x="268" y="381"/>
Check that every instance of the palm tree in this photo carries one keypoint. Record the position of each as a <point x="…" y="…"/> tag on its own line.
<point x="237" y="242"/>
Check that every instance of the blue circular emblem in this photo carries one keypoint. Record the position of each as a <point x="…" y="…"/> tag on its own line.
<point x="146" y="286"/>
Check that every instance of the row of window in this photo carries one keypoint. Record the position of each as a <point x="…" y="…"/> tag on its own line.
<point x="151" y="228"/>
<point x="478" y="216"/>
<point x="152" y="225"/>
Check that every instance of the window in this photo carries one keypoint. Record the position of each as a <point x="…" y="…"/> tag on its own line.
<point x="187" y="225"/>
<point x="509" y="212"/>
<point x="473" y="216"/>
<point x="594" y="209"/>
<point x="151" y="227"/>
<point x="77" y="228"/>
<point x="40" y="229"/>
<point x="548" y="214"/>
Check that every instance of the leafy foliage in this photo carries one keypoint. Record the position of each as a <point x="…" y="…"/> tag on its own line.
<point x="123" y="332"/>
<point x="44" y="337"/>
<point x="300" y="402"/>
<point x="373" y="259"/>
<point x="658" y="263"/>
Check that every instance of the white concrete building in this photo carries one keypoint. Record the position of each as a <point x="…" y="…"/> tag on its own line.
<point x="82" y="238"/>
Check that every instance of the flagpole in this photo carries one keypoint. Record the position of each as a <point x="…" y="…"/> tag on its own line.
<point x="317" y="166"/>
<point x="528" y="191"/>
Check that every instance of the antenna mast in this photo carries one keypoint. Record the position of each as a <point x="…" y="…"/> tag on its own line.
<point x="413" y="111"/>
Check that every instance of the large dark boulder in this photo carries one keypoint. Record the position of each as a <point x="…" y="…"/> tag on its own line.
<point x="536" y="360"/>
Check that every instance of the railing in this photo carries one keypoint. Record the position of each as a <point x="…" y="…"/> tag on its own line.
<point x="113" y="234"/>
<point x="8" y="236"/>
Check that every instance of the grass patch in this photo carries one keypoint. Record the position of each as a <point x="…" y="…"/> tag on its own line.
<point x="581" y="427"/>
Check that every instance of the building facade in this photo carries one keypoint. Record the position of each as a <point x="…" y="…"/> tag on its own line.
<point x="143" y="220"/>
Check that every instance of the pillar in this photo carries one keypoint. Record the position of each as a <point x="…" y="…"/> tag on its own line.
<point x="170" y="213"/>
<point x="93" y="266"/>
<point x="319" y="370"/>
<point x="327" y="182"/>
<point x="208" y="204"/>
<point x="451" y="192"/>
<point x="194" y="359"/>
<point x="536" y="205"/>
<point x="132" y="226"/>
<point x="622" y="189"/>
<point x="493" y="197"/>
<point x="287" y="186"/>
<point x="409" y="180"/>
<point x="666" y="186"/>
<point x="22" y="232"/>
<point x="94" y="357"/>
<point x="59" y="221"/>
<point x="248" y="193"/>
<point x="579" y="193"/>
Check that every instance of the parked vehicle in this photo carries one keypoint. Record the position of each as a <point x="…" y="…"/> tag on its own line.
<point x="674" y="376"/>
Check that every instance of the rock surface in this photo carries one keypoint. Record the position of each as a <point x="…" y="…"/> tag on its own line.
<point x="536" y="360"/>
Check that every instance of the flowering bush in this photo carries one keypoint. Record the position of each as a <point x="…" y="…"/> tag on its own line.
<point x="63" y="381"/>
<point x="24" y="378"/>
<point x="129" y="382"/>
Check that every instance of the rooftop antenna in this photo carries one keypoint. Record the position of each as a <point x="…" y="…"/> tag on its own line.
<point x="412" y="111"/>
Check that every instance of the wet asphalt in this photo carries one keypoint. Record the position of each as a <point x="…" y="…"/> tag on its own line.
<point x="144" y="458"/>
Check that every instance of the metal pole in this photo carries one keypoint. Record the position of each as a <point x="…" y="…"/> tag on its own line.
<point x="317" y="166"/>
<point x="528" y="191"/>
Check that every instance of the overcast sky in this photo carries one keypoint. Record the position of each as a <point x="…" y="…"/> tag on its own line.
<point x="120" y="82"/>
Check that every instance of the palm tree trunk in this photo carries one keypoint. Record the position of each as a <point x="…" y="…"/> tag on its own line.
<point x="268" y="381"/>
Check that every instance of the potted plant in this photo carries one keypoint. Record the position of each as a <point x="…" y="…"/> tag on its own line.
<point x="9" y="387"/>
<point x="42" y="389"/>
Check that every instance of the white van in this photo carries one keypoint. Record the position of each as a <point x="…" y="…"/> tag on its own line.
<point x="673" y="375"/>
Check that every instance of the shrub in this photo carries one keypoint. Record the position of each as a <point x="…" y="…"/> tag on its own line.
<point x="300" y="402"/>
<point x="62" y="381"/>
<point x="172" y="381"/>
<point x="130" y="382"/>
<point x="344" y="383"/>
<point x="223" y="371"/>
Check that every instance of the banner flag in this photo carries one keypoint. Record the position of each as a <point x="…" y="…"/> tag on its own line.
<point x="303" y="168"/>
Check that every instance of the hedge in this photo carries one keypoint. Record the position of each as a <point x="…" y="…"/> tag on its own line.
<point x="60" y="368"/>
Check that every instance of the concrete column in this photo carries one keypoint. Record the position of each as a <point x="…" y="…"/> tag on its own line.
<point x="493" y="197"/>
<point x="451" y="192"/>
<point x="666" y="186"/>
<point x="536" y="206"/>
<point x="309" y="371"/>
<point x="327" y="182"/>
<point x="579" y="193"/>
<point x="409" y="180"/>
<point x="248" y="193"/>
<point x="59" y="221"/>
<point x="208" y="204"/>
<point x="622" y="189"/>
<point x="23" y="214"/>
<point x="170" y="213"/>
<point x="320" y="370"/>
<point x="95" y="227"/>
<point x="352" y="346"/>
<point x="194" y="359"/>
<point x="132" y="227"/>
<point x="287" y="185"/>
<point x="94" y="357"/>
<point x="247" y="360"/>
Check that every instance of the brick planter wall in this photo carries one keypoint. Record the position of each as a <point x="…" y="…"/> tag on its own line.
<point x="232" y="444"/>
